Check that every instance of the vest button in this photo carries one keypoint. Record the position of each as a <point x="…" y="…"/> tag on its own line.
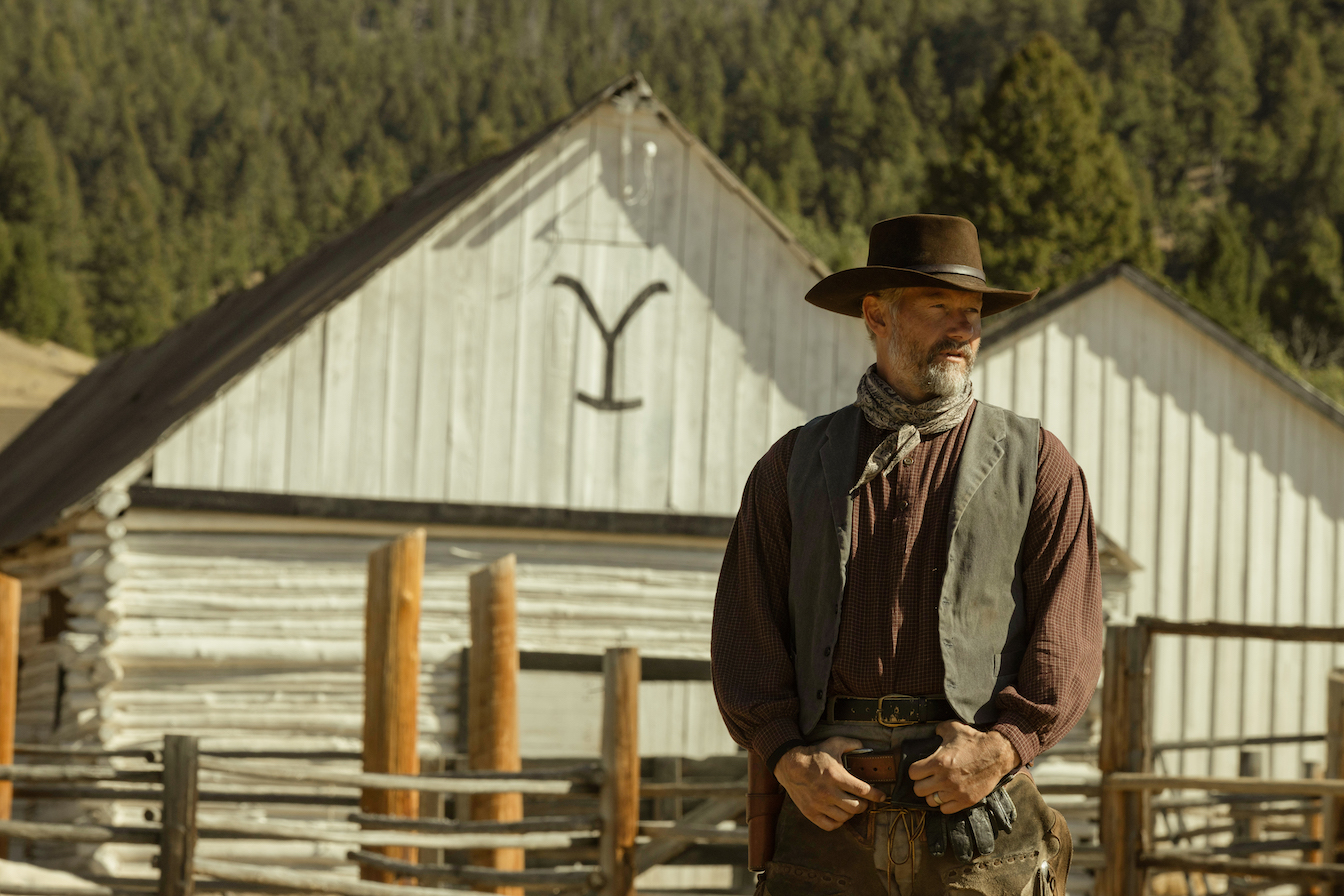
<point x="826" y="652"/>
<point x="820" y="695"/>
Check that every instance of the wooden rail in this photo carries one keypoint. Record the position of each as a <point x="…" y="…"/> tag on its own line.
<point x="586" y="877"/>
<point x="1211" y="629"/>
<point x="522" y="782"/>
<point x="1131" y="782"/>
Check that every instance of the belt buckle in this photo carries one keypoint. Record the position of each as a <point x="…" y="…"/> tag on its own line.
<point x="882" y="715"/>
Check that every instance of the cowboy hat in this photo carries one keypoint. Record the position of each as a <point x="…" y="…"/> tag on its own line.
<point x="916" y="250"/>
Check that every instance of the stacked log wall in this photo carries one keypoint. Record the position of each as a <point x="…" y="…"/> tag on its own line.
<point x="254" y="640"/>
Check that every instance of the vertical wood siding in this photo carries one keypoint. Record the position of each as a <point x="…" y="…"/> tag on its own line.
<point x="1226" y="489"/>
<point x="452" y="374"/>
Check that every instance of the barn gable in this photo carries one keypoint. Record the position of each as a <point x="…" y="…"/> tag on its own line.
<point x="605" y="318"/>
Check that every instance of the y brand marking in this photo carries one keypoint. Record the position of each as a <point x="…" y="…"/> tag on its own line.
<point x="609" y="337"/>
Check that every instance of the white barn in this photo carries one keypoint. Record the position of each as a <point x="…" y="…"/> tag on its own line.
<point x="1223" y="480"/>
<point x="575" y="352"/>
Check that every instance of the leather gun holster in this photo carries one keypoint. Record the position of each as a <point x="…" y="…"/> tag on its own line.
<point x="765" y="797"/>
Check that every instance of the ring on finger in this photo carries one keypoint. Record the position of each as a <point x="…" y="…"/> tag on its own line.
<point x="937" y="799"/>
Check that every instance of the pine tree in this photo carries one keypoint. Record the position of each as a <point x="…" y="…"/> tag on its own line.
<point x="1223" y="283"/>
<point x="1220" y="84"/>
<point x="134" y="295"/>
<point x="31" y="303"/>
<point x="1050" y="193"/>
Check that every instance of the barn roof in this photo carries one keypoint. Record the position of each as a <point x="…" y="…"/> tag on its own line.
<point x="123" y="407"/>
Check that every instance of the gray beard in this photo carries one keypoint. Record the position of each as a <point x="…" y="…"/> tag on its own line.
<point x="940" y="378"/>
<point x="944" y="378"/>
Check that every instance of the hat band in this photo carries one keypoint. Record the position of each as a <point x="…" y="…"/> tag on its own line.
<point x="963" y="269"/>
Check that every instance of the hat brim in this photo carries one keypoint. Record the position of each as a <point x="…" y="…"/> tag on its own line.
<point x="843" y="291"/>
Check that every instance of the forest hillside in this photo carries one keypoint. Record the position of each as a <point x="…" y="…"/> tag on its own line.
<point x="155" y="156"/>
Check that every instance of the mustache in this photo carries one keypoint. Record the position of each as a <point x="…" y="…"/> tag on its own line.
<point x="952" y="347"/>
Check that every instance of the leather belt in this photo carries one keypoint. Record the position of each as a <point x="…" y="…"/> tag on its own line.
<point x="874" y="768"/>
<point x="893" y="710"/>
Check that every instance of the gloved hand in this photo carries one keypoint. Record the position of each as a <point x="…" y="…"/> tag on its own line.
<point x="971" y="831"/>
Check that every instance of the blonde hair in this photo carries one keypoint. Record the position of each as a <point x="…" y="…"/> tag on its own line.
<point x="890" y="298"/>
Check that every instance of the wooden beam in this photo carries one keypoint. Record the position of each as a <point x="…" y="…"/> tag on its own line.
<point x="11" y="595"/>
<point x="312" y="881"/>
<point x="177" y="848"/>
<point x="1269" y="788"/>
<point x="578" y="825"/>
<point x="78" y="833"/>
<point x="1212" y="629"/>
<point x="620" y="759"/>
<point x="526" y="782"/>
<point x="587" y="878"/>
<point x="392" y="682"/>
<point x="1110" y="759"/>
<point x="1276" y="870"/>
<point x="1126" y="747"/>
<point x="492" y="705"/>
<point x="710" y="812"/>
<point x="1331" y="805"/>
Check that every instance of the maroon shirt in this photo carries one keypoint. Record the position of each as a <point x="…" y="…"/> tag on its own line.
<point x="888" y="638"/>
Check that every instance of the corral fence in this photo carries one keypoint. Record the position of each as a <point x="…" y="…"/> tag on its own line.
<point x="580" y="836"/>
<point x="383" y="843"/>
<point x="1249" y="833"/>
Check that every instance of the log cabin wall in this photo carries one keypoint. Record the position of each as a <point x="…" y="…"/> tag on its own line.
<point x="254" y="639"/>
<point x="1224" y="485"/>
<point x="247" y="631"/>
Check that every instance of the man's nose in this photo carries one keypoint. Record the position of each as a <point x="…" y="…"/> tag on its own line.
<point x="962" y="326"/>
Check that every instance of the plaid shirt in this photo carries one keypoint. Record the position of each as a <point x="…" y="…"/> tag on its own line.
<point x="888" y="639"/>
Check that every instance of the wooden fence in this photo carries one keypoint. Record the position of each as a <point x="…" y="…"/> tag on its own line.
<point x="1129" y="782"/>
<point x="174" y="782"/>
<point x="395" y="847"/>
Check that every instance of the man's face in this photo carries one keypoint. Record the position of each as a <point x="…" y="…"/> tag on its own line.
<point x="930" y="341"/>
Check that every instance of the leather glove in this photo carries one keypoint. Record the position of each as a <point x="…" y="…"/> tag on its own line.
<point x="972" y="830"/>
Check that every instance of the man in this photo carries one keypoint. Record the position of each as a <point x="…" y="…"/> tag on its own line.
<point x="909" y="609"/>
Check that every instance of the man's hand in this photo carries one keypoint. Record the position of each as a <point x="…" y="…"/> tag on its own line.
<point x="965" y="768"/>
<point x="816" y="780"/>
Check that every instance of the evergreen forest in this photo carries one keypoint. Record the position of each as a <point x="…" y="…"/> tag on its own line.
<point x="155" y="155"/>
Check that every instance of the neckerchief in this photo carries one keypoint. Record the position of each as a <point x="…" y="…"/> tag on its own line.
<point x="887" y="410"/>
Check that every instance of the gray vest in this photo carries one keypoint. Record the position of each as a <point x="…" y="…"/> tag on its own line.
<point x="982" y="621"/>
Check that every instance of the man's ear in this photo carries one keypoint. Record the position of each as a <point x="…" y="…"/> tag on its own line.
<point x="876" y="314"/>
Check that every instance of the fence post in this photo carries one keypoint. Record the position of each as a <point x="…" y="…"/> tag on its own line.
<point x="392" y="682"/>
<point x="492" y="704"/>
<point x="11" y="595"/>
<point x="177" y="843"/>
<point x="1126" y="746"/>
<point x="620" y="770"/>
<point x="1334" y="768"/>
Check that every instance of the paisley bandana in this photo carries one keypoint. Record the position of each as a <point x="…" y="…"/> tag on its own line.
<point x="887" y="410"/>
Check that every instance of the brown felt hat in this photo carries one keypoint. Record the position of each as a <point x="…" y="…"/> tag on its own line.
<point x="916" y="250"/>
